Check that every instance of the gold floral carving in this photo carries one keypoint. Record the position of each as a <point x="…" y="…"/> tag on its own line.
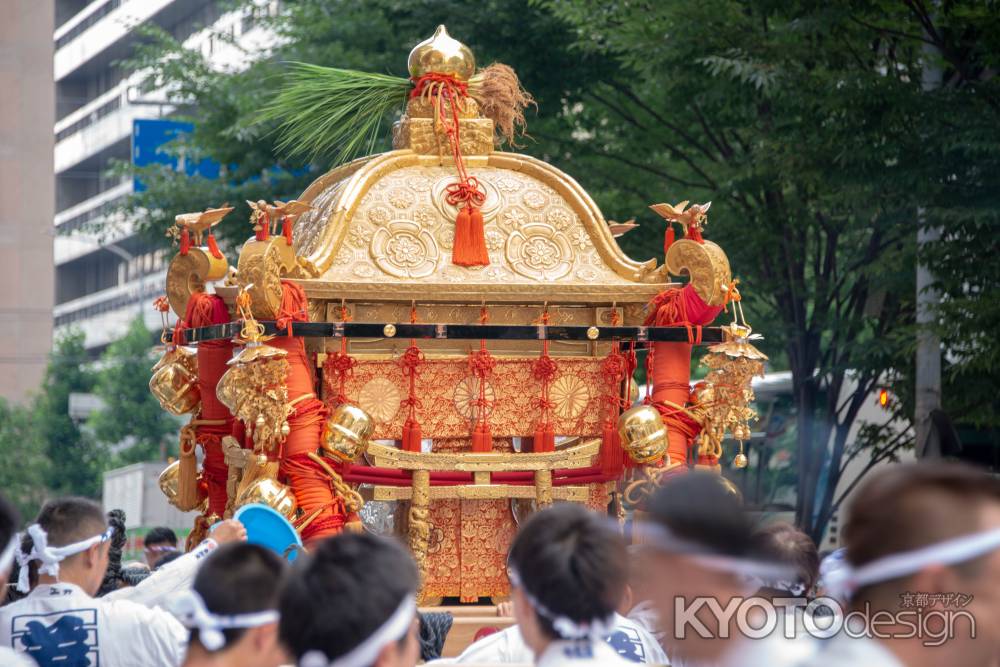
<point x="540" y="252"/>
<point x="380" y="398"/>
<point x="341" y="200"/>
<point x="421" y="136"/>
<point x="259" y="268"/>
<point x="707" y="265"/>
<point x="405" y="250"/>
<point x="491" y="206"/>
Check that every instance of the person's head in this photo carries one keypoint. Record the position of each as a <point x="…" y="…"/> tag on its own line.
<point x="911" y="507"/>
<point x="167" y="558"/>
<point x="232" y="608"/>
<point x="568" y="573"/>
<point x="159" y="542"/>
<point x="782" y="543"/>
<point x="64" y="522"/>
<point x="694" y="523"/>
<point x="9" y="520"/>
<point x="352" y="594"/>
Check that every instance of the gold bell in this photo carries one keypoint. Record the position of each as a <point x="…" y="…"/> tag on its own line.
<point x="643" y="433"/>
<point x="175" y="381"/>
<point x="169" y="481"/>
<point x="740" y="460"/>
<point x="270" y="492"/>
<point x="260" y="421"/>
<point x="347" y="433"/>
<point x="285" y="429"/>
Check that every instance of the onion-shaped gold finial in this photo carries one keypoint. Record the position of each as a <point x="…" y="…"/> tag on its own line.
<point x="442" y="54"/>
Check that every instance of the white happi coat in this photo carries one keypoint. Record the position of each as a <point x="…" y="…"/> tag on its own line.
<point x="629" y="640"/>
<point x="580" y="653"/>
<point x="10" y="659"/>
<point x="60" y="625"/>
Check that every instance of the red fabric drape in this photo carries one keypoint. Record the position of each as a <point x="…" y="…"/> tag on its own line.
<point x="671" y="373"/>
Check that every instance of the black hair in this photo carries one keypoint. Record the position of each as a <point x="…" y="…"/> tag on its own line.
<point x="10" y="519"/>
<point x="65" y="521"/>
<point x="698" y="507"/>
<point x="572" y="562"/>
<point x="166" y="558"/>
<point x="239" y="578"/>
<point x="342" y="592"/>
<point x="160" y="535"/>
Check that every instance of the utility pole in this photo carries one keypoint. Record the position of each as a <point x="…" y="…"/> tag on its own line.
<point x="928" y="362"/>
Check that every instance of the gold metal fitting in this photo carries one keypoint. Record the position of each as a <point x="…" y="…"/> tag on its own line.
<point x="643" y="433"/>
<point x="348" y="431"/>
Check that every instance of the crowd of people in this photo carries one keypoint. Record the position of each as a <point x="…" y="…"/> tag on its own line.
<point x="701" y="584"/>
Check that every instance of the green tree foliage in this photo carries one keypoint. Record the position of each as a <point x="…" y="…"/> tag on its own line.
<point x="809" y="124"/>
<point x="131" y="422"/>
<point x="75" y="459"/>
<point x="23" y="476"/>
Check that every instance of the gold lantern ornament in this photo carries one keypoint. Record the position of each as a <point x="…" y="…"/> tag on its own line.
<point x="348" y="432"/>
<point x="174" y="382"/>
<point x="724" y="399"/>
<point x="253" y="388"/>
<point x="269" y="491"/>
<point x="169" y="482"/>
<point x="643" y="434"/>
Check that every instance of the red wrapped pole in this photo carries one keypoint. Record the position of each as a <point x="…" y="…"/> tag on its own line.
<point x="309" y="482"/>
<point x="671" y="372"/>
<point x="214" y="420"/>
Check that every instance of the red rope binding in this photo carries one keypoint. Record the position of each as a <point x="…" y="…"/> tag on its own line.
<point x="469" y="248"/>
<point x="410" y="361"/>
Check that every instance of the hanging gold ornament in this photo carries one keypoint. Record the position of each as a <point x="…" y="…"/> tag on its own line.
<point x="174" y="381"/>
<point x="254" y="387"/>
<point x="723" y="400"/>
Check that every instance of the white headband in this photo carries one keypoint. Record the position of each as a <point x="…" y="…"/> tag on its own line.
<point x="565" y="627"/>
<point x="164" y="548"/>
<point x="190" y="610"/>
<point x="658" y="536"/>
<point x="365" y="653"/>
<point x="7" y="556"/>
<point x="50" y="557"/>
<point x="846" y="580"/>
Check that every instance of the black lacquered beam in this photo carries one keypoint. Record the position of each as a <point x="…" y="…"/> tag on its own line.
<point x="460" y="332"/>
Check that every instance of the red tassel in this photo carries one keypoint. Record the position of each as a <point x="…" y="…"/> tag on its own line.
<point x="550" y="438"/>
<point x="407" y="429"/>
<point x="668" y="239"/>
<point x="482" y="438"/>
<point x="412" y="435"/>
<point x="470" y="239"/>
<point x="286" y="229"/>
<point x="213" y="247"/>
<point x="612" y="455"/>
<point x="185" y="241"/>
<point x="539" y="438"/>
<point x="461" y="252"/>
